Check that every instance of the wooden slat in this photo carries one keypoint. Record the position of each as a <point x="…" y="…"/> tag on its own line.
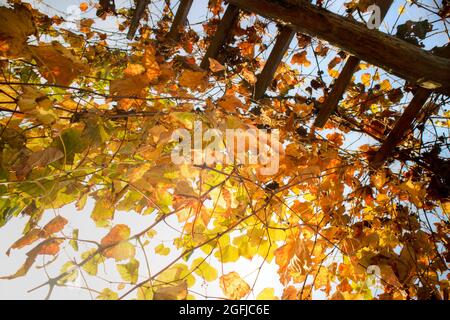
<point x="223" y="30"/>
<point x="339" y="87"/>
<point x="394" y="55"/>
<point x="137" y="16"/>
<point x="401" y="127"/>
<point x="180" y="18"/>
<point x="284" y="38"/>
<point x="342" y="82"/>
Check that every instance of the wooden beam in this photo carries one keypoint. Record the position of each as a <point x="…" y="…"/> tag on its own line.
<point x="282" y="43"/>
<point x="137" y="16"/>
<point x="401" y="127"/>
<point x="342" y="82"/>
<point x="222" y="32"/>
<point x="339" y="87"/>
<point x="180" y="18"/>
<point x="394" y="55"/>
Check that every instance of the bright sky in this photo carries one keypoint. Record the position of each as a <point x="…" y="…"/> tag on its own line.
<point x="268" y="277"/>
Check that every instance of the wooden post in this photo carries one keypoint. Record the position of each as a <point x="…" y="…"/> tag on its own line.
<point x="282" y="43"/>
<point x="401" y="127"/>
<point x="137" y="16"/>
<point x="342" y="82"/>
<point x="180" y="18"/>
<point x="223" y="30"/>
<point x="394" y="55"/>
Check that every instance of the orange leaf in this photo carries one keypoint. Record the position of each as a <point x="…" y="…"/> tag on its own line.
<point x="301" y="59"/>
<point x="55" y="225"/>
<point x="57" y="64"/>
<point x="249" y="76"/>
<point x="215" y="66"/>
<point x="49" y="248"/>
<point x="15" y="27"/>
<point x="118" y="233"/>
<point x="39" y="159"/>
<point x="333" y="63"/>
<point x="230" y="103"/>
<point x="118" y="248"/>
<point x="30" y="237"/>
<point x="194" y="80"/>
<point x="84" y="6"/>
<point x="233" y="286"/>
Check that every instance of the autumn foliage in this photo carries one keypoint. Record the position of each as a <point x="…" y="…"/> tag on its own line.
<point x="83" y="120"/>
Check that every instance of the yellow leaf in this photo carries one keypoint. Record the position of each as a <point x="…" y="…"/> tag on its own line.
<point x="145" y="293"/>
<point x="267" y="294"/>
<point x="175" y="273"/>
<point x="365" y="78"/>
<point x="446" y="207"/>
<point x="162" y="250"/>
<point x="333" y="73"/>
<point x="103" y="212"/>
<point x="385" y="85"/>
<point x="134" y="69"/>
<point x="108" y="294"/>
<point x="129" y="271"/>
<point x="204" y="269"/>
<point x="233" y="286"/>
<point x="121" y="251"/>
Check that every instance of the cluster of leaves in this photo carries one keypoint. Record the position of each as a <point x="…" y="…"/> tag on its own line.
<point x="82" y="120"/>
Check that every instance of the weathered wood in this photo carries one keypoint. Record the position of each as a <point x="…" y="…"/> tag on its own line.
<point x="180" y="18"/>
<point x="394" y="55"/>
<point x="223" y="30"/>
<point x="284" y="38"/>
<point x="342" y="82"/>
<point x="401" y="127"/>
<point x="137" y="16"/>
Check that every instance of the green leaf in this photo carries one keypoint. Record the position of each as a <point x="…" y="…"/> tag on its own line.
<point x="70" y="143"/>
<point x="108" y="294"/>
<point x="91" y="267"/>
<point x="129" y="271"/>
<point x="103" y="213"/>
<point x="74" y="243"/>
<point x="73" y="272"/>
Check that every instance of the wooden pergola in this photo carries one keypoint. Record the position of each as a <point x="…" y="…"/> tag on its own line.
<point x="398" y="57"/>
